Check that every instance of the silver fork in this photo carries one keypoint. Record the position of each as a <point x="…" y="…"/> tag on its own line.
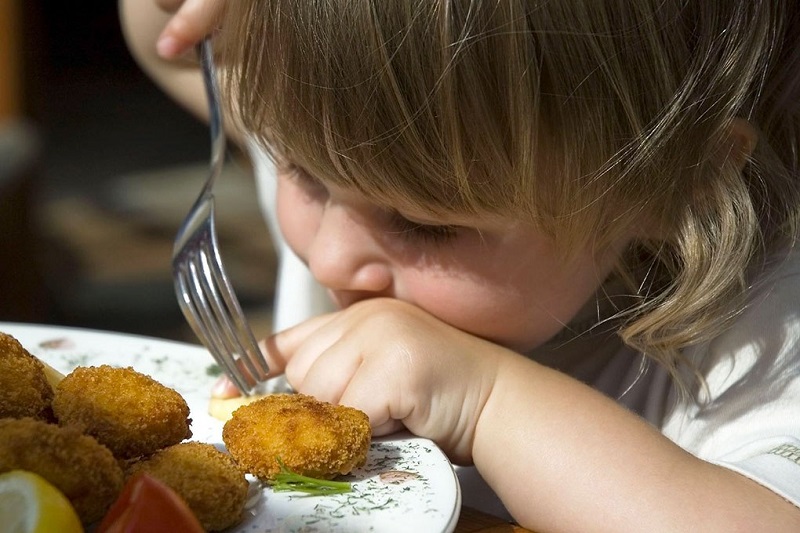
<point x="204" y="292"/>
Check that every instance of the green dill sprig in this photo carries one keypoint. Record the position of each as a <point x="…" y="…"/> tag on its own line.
<point x="288" y="481"/>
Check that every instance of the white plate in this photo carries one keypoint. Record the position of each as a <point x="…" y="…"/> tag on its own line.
<point x="407" y="484"/>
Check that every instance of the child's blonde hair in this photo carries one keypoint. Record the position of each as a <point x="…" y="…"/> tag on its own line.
<point x="585" y="118"/>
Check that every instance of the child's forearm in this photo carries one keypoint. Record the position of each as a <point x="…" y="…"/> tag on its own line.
<point x="563" y="457"/>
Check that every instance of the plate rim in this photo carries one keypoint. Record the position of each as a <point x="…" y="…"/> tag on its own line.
<point x="56" y="330"/>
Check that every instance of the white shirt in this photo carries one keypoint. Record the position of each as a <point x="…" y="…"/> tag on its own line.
<point x="297" y="294"/>
<point x="748" y="420"/>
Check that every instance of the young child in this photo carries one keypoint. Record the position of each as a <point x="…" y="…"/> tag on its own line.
<point x="559" y="236"/>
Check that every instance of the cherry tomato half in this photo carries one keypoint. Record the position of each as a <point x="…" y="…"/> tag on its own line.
<point x="148" y="505"/>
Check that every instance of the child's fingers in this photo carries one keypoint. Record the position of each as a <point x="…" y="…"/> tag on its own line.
<point x="193" y="20"/>
<point x="224" y="388"/>
<point x="326" y="374"/>
<point x="280" y="348"/>
<point x="381" y="389"/>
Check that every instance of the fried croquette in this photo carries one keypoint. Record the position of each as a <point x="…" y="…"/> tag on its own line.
<point x="80" y="467"/>
<point x="130" y="412"/>
<point x="206" y="478"/>
<point x="24" y="390"/>
<point x="310" y="437"/>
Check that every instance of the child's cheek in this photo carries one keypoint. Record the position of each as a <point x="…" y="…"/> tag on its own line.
<point x="298" y="218"/>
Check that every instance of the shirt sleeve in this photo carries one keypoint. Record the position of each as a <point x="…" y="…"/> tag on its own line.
<point x="778" y="469"/>
<point x="746" y="416"/>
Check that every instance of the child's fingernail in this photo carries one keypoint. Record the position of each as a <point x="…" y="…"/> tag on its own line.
<point x="224" y="388"/>
<point x="167" y="47"/>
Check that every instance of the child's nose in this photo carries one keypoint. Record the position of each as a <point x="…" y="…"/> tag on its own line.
<point x="345" y="256"/>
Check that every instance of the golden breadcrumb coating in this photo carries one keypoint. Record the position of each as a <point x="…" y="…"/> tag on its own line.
<point x="130" y="412"/>
<point x="24" y="390"/>
<point x="80" y="467"/>
<point x="311" y="437"/>
<point x="208" y="480"/>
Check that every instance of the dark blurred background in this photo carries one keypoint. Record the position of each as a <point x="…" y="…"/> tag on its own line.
<point x="97" y="170"/>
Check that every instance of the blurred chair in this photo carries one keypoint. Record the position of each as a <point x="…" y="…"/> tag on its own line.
<point x="23" y="295"/>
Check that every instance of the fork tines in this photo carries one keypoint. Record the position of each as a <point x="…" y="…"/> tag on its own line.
<point x="204" y="292"/>
<point x="214" y="313"/>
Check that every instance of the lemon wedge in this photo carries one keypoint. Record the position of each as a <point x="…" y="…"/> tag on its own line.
<point x="30" y="504"/>
<point x="52" y="375"/>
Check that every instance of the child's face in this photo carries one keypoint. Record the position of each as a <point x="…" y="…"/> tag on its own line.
<point x="501" y="281"/>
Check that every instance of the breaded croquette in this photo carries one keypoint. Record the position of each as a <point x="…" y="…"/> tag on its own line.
<point x="24" y="390"/>
<point x="310" y="437"/>
<point x="81" y="468"/>
<point x="130" y="412"/>
<point x="206" y="478"/>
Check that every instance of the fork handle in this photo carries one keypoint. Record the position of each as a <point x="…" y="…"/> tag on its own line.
<point x="211" y="83"/>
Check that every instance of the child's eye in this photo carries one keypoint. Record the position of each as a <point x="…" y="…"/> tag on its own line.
<point x="310" y="185"/>
<point x="426" y="233"/>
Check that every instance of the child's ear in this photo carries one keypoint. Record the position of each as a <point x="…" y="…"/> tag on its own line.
<point x="743" y="138"/>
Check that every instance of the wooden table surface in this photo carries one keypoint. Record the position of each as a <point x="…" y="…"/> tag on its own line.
<point x="474" y="521"/>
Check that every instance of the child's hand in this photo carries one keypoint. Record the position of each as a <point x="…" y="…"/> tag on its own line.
<point x="224" y="388"/>
<point x="191" y="22"/>
<point x="398" y="364"/>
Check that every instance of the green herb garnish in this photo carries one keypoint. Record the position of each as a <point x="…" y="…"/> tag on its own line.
<point x="288" y="481"/>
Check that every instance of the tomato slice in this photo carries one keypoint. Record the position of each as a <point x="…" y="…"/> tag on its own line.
<point x="148" y="505"/>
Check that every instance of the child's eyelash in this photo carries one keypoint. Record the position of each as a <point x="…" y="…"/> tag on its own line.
<point x="295" y="172"/>
<point x="414" y="231"/>
<point x="304" y="179"/>
<point x="398" y="224"/>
